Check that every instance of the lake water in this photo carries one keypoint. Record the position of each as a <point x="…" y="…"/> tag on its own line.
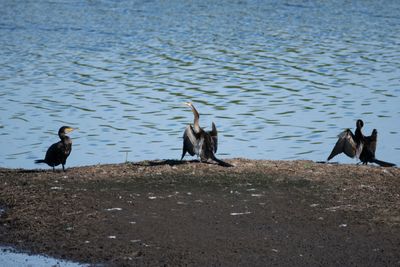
<point x="11" y="258"/>
<point x="279" y="78"/>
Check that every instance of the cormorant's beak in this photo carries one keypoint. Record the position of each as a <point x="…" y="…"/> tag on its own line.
<point x="189" y="104"/>
<point x="69" y="129"/>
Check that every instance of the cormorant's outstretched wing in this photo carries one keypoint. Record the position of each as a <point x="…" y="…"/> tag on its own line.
<point x="214" y="135"/>
<point x="373" y="141"/>
<point x="346" y="144"/>
<point x="190" y="142"/>
<point x="368" y="153"/>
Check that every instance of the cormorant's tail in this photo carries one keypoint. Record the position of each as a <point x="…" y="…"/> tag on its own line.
<point x="383" y="163"/>
<point x="40" y="161"/>
<point x="221" y="162"/>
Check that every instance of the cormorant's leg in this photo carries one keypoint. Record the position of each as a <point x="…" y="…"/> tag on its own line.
<point x="63" y="168"/>
<point x="54" y="169"/>
<point x="203" y="160"/>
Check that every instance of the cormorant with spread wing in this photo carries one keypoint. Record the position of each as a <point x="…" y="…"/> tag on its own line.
<point x="58" y="152"/>
<point x="202" y="143"/>
<point x="349" y="143"/>
<point x="359" y="146"/>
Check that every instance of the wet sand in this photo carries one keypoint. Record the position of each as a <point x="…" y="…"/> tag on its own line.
<point x="171" y="213"/>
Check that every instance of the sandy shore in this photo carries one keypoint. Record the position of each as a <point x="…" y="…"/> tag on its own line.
<point x="157" y="213"/>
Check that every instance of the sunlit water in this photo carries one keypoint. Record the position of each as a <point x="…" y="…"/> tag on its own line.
<point x="279" y="78"/>
<point x="11" y="258"/>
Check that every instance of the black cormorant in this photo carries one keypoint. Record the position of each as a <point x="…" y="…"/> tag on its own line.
<point x="359" y="146"/>
<point x="58" y="152"/>
<point x="202" y="143"/>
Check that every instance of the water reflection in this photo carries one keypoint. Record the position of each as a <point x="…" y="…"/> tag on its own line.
<point x="280" y="80"/>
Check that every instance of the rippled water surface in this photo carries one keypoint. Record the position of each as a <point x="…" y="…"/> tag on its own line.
<point x="279" y="78"/>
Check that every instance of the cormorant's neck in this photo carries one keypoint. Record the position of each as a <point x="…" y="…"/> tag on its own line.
<point x="358" y="134"/>
<point x="62" y="136"/>
<point x="196" y="120"/>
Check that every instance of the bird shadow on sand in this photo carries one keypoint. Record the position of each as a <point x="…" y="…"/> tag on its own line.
<point x="327" y="162"/>
<point x="170" y="162"/>
<point x="28" y="170"/>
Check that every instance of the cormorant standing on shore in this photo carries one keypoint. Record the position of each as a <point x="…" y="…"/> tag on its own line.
<point x="198" y="142"/>
<point x="58" y="152"/>
<point x="359" y="146"/>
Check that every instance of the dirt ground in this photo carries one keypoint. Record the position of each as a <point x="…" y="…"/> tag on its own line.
<point x="171" y="213"/>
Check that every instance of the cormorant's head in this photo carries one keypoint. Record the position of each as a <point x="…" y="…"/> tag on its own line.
<point x="64" y="130"/>
<point x="195" y="113"/>
<point x="374" y="133"/>
<point x="360" y="124"/>
<point x="189" y="104"/>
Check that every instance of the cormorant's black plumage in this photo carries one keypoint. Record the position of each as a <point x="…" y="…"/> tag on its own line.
<point x="58" y="152"/>
<point x="368" y="153"/>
